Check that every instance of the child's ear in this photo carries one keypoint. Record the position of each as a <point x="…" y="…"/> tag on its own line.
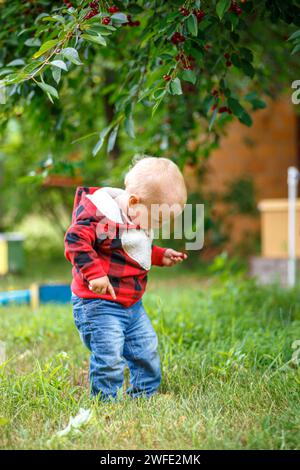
<point x="133" y="200"/>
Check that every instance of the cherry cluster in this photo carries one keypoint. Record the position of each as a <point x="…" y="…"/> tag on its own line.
<point x="68" y="4"/>
<point x="200" y="14"/>
<point x="222" y="109"/>
<point x="177" y="38"/>
<point x="94" y="10"/>
<point x="228" y="61"/>
<point x="187" y="62"/>
<point x="234" y="7"/>
<point x="131" y="23"/>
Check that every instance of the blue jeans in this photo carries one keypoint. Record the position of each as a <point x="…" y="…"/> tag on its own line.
<point x="117" y="335"/>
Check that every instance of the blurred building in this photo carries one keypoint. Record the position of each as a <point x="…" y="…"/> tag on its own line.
<point x="260" y="154"/>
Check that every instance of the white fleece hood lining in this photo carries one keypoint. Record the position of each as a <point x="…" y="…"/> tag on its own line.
<point x="136" y="243"/>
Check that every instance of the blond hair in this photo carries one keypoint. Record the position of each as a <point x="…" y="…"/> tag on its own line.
<point x="157" y="180"/>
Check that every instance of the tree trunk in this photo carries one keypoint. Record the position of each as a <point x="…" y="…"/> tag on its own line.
<point x="109" y="110"/>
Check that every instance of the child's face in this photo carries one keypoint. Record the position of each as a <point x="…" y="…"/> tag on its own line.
<point x="151" y="215"/>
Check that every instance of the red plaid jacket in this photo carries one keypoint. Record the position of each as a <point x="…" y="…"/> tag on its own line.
<point x="101" y="242"/>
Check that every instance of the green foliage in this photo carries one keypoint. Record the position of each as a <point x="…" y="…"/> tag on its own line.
<point x="78" y="88"/>
<point x="52" y="45"/>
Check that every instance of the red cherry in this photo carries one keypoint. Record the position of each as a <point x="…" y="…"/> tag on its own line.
<point x="177" y="38"/>
<point x="228" y="63"/>
<point x="106" y="20"/>
<point x="200" y="14"/>
<point x="215" y="93"/>
<point x="225" y="109"/>
<point x="90" y="14"/>
<point x="131" y="23"/>
<point x="113" y="9"/>
<point x="94" y="5"/>
<point x="227" y="55"/>
<point x="167" y="78"/>
<point x="235" y="8"/>
<point x="184" y="11"/>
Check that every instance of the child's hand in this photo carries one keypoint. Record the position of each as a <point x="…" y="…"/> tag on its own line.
<point x="102" y="286"/>
<point x="172" y="257"/>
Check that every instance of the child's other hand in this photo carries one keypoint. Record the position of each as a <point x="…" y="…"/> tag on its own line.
<point x="172" y="257"/>
<point x="102" y="286"/>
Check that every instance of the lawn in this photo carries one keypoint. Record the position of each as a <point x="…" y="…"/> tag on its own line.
<point x="229" y="380"/>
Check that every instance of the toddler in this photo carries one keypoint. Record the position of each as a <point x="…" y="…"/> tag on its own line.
<point x="110" y="247"/>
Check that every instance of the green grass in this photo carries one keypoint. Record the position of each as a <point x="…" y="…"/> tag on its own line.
<point x="228" y="377"/>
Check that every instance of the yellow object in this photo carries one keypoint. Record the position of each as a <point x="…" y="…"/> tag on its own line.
<point x="3" y="257"/>
<point x="274" y="228"/>
<point x="34" y="296"/>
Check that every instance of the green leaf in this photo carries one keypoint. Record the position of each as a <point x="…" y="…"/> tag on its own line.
<point x="247" y="68"/>
<point x="212" y="119"/>
<point x="112" y="139"/>
<point x="129" y="126"/>
<point x="258" y="104"/>
<point x="32" y="42"/>
<point x="45" y="47"/>
<point x="48" y="89"/>
<point x="155" y="107"/>
<point x="295" y="35"/>
<point x="189" y="76"/>
<point x="234" y="20"/>
<point x="235" y="59"/>
<point x="104" y="30"/>
<point x="71" y="54"/>
<point x="60" y="64"/>
<point x="246" y="54"/>
<point x="175" y="87"/>
<point x="15" y="63"/>
<point x="54" y="18"/>
<point x="119" y="17"/>
<point x="56" y="74"/>
<point x="255" y="101"/>
<point x="100" y="142"/>
<point x="192" y="25"/>
<point x="84" y="137"/>
<point x="158" y="93"/>
<point x="97" y="39"/>
<point x="222" y="7"/>
<point x="296" y="49"/>
<point x="245" y="118"/>
<point x="239" y="111"/>
<point x="235" y="107"/>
